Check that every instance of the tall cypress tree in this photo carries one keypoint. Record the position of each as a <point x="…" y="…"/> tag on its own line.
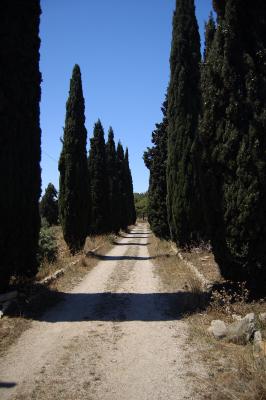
<point x="232" y="137"/>
<point x="123" y="216"/>
<point x="184" y="214"/>
<point x="73" y="191"/>
<point x="131" y="211"/>
<point x="155" y="160"/>
<point x="113" y="187"/>
<point x="20" y="179"/>
<point x="98" y="182"/>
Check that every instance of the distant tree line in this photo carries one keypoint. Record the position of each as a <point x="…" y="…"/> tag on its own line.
<point x="208" y="160"/>
<point x="96" y="193"/>
<point x="141" y="204"/>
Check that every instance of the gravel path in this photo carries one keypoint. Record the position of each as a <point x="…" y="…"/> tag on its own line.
<point x="114" y="337"/>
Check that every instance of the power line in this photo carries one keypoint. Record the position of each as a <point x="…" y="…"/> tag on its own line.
<point x="49" y="156"/>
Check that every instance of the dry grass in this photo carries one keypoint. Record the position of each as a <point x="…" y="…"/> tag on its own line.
<point x="75" y="266"/>
<point x="35" y="298"/>
<point x="176" y="276"/>
<point x="204" y="261"/>
<point x="235" y="371"/>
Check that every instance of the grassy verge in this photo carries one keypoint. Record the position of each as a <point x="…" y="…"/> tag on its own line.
<point x="35" y="298"/>
<point x="175" y="276"/>
<point x="235" y="372"/>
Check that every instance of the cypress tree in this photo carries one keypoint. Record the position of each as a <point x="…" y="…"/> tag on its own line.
<point x="155" y="160"/>
<point x="73" y="190"/>
<point x="131" y="211"/>
<point x="210" y="30"/>
<point x="49" y="205"/>
<point x="112" y="177"/>
<point x="183" y="203"/>
<point x="20" y="93"/>
<point x="232" y="138"/>
<point x="123" y="216"/>
<point x="99" y="205"/>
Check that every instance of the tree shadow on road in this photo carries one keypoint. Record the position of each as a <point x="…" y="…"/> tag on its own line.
<point x="120" y="307"/>
<point x="139" y="233"/>
<point x="120" y="258"/>
<point x="7" y="385"/>
<point x="130" y="244"/>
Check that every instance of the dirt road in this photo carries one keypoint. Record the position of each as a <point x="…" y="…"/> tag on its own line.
<point x="114" y="337"/>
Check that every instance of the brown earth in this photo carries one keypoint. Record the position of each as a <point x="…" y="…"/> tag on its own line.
<point x="117" y="335"/>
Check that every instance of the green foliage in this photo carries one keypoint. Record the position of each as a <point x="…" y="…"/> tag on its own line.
<point x="183" y="195"/>
<point x="155" y="159"/>
<point x="48" y="248"/>
<point x="141" y="204"/>
<point x="232" y="137"/>
<point x="121" y="186"/>
<point x="111" y="189"/>
<point x="99" y="203"/>
<point x="112" y="178"/>
<point x="130" y="204"/>
<point x="20" y="150"/>
<point x="73" y="188"/>
<point x="49" y="205"/>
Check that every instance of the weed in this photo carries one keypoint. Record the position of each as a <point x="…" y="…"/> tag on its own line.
<point x="229" y="300"/>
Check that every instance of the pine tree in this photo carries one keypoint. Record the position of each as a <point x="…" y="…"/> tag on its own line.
<point x="73" y="191"/>
<point x="98" y="182"/>
<point x="131" y="211"/>
<point x="184" y="210"/>
<point x="20" y="180"/>
<point x="155" y="160"/>
<point x="232" y="139"/>
<point x="112" y="177"/>
<point x="49" y="205"/>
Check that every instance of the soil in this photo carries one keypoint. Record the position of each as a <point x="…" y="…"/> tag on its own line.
<point x="115" y="336"/>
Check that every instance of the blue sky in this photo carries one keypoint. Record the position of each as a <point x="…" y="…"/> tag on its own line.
<point x="122" y="47"/>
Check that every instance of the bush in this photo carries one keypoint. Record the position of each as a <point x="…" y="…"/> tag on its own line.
<point x="47" y="246"/>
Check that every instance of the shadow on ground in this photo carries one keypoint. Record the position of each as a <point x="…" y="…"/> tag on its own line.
<point x="120" y="258"/>
<point x="139" y="233"/>
<point x="7" y="385"/>
<point x="134" y="237"/>
<point x="131" y="244"/>
<point x="119" y="307"/>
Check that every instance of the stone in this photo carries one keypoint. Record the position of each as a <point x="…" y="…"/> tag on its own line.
<point x="218" y="328"/>
<point x="259" y="345"/>
<point x="262" y="317"/>
<point x="236" y="317"/>
<point x="257" y="336"/>
<point x="241" y="331"/>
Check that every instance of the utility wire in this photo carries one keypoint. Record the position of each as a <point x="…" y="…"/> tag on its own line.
<point x="48" y="155"/>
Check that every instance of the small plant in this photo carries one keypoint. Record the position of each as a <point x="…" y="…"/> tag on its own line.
<point x="44" y="223"/>
<point x="47" y="246"/>
<point x="225" y="300"/>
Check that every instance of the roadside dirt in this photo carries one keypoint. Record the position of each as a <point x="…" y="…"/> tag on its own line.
<point x="117" y="336"/>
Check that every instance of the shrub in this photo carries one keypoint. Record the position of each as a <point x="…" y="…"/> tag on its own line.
<point x="47" y="246"/>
